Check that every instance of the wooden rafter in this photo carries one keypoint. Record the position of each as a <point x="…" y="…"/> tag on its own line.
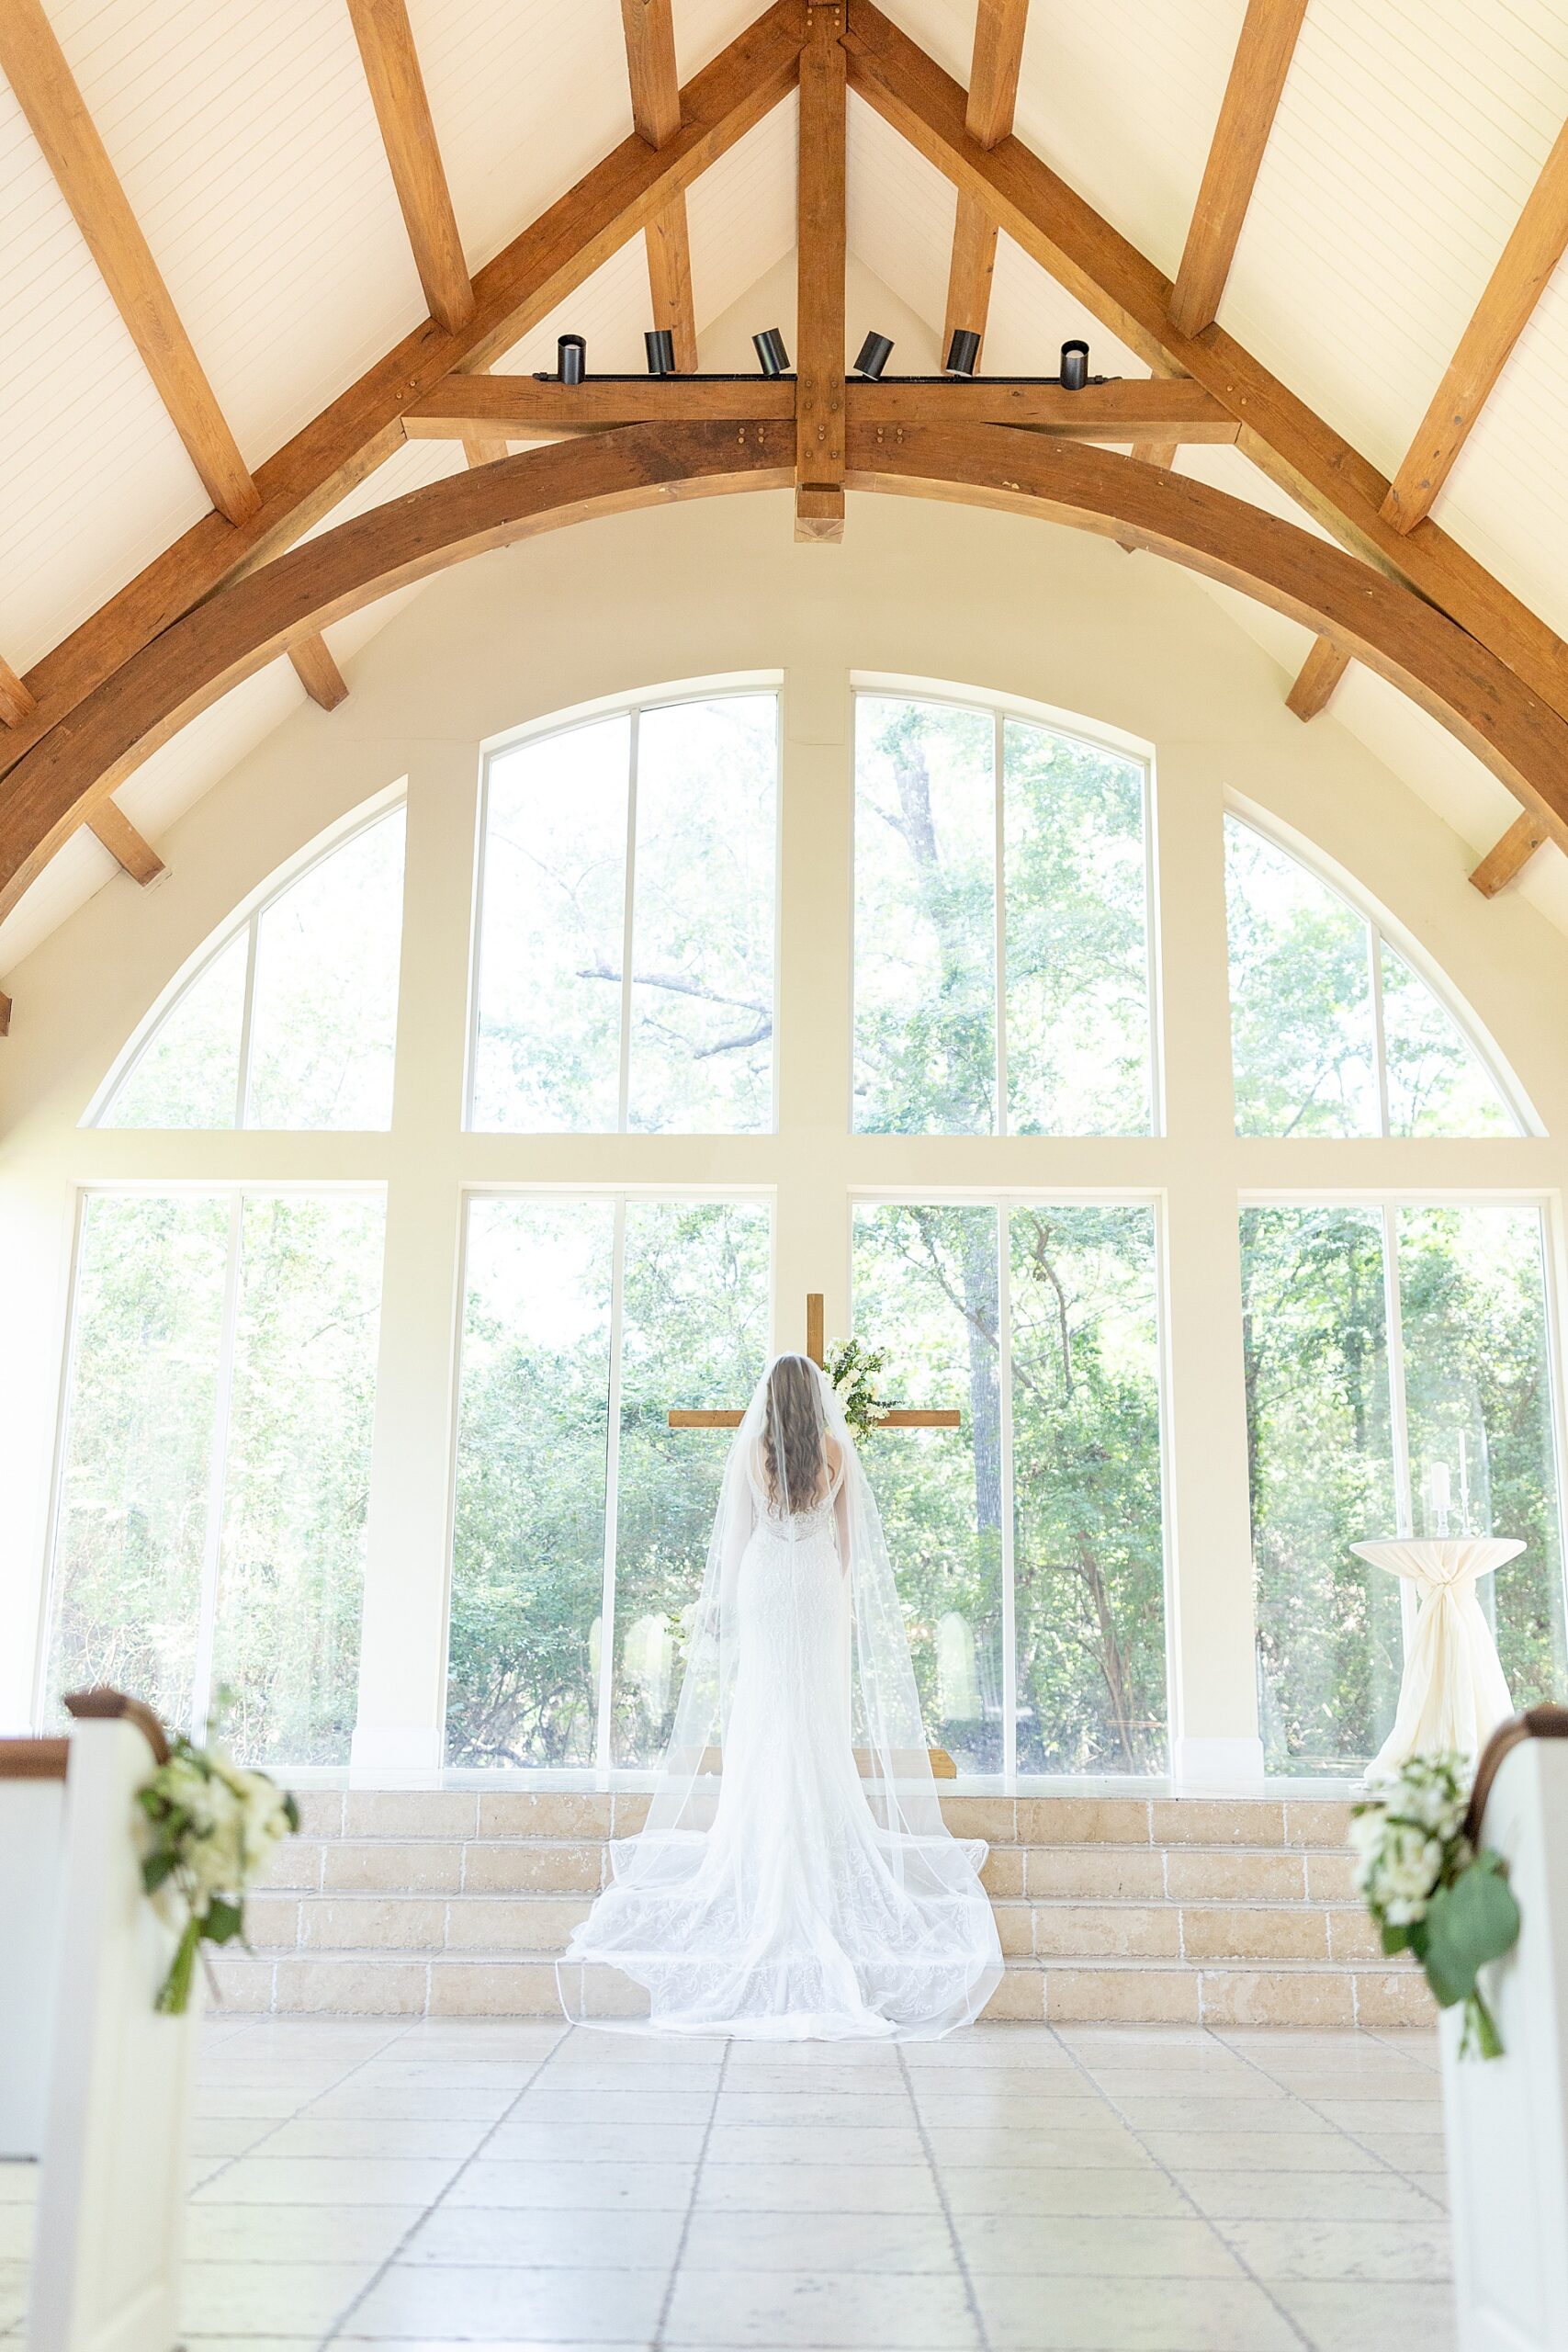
<point x="35" y="66"/>
<point x="1325" y="665"/>
<point x="1511" y="854"/>
<point x="993" y="93"/>
<point x="317" y="673"/>
<point x="5" y="1014"/>
<point x="1156" y="453"/>
<point x="1537" y="244"/>
<point x="234" y="633"/>
<point x="403" y="110"/>
<point x="1257" y="74"/>
<point x="1128" y="409"/>
<point x="522" y="285"/>
<point x="1295" y="447"/>
<point x="15" y="703"/>
<point x="122" y="841"/>
<point x="820" y="316"/>
<point x="656" y="110"/>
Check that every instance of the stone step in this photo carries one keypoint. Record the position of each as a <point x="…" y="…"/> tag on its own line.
<point x="521" y="1984"/>
<point x="1057" y="1929"/>
<point x="412" y="1814"/>
<point x="574" y="1866"/>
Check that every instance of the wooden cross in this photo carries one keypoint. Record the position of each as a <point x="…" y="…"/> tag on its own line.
<point x="900" y="1418"/>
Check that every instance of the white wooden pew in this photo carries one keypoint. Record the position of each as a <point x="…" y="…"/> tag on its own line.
<point x="93" y="2080"/>
<point x="1507" y="2118"/>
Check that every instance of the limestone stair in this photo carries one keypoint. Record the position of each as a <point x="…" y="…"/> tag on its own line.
<point x="455" y="1903"/>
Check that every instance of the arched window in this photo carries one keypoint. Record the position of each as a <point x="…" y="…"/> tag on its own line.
<point x="1332" y="1032"/>
<point x="625" y="964"/>
<point x="990" y="845"/>
<point x="291" y="1018"/>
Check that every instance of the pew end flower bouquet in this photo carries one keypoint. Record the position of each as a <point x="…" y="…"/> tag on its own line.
<point x="1430" y="1891"/>
<point x="212" y="1827"/>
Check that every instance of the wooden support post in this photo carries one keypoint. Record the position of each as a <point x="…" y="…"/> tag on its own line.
<point x="120" y="838"/>
<point x="820" y="391"/>
<point x="1247" y="115"/>
<point x="1320" y="673"/>
<point x="816" y="1340"/>
<point x="656" y="110"/>
<point x="403" y="110"/>
<point x="993" y="92"/>
<point x="1510" y="856"/>
<point x="317" y="673"/>
<point x="5" y="1014"/>
<point x="16" y="702"/>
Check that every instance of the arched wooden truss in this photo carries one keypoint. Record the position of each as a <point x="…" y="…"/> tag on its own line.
<point x="1395" y="592"/>
<point x="1462" y="684"/>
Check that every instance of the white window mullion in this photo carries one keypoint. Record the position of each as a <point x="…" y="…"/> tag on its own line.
<point x="242" y="1080"/>
<point x="999" y="744"/>
<point x="216" y="1475"/>
<point x="602" y="1747"/>
<point x="1379" y="1044"/>
<point x="1398" y="1413"/>
<point x="624" y="1112"/>
<point x="1004" y="1397"/>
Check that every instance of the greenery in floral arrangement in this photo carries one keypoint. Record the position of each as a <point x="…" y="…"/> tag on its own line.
<point x="1429" y="1889"/>
<point x="213" y="1828"/>
<point x="853" y="1371"/>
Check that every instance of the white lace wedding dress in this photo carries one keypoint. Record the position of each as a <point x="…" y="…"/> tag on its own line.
<point x="786" y="1888"/>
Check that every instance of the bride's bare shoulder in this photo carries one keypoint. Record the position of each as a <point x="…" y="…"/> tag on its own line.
<point x="835" y="1455"/>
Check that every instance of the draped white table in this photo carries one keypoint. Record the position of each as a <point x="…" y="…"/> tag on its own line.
<point x="1453" y="1694"/>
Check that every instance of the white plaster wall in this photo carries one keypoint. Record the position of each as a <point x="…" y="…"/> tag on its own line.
<point x="1003" y="604"/>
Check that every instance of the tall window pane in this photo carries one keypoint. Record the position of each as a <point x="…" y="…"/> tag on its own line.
<point x="695" y="1333"/>
<point x="925" y="918"/>
<point x="1302" y="1019"/>
<point x="548" y="1053"/>
<point x="1482" y="1417"/>
<point x="567" y="867"/>
<point x="1321" y="1466"/>
<point x="297" y="1476"/>
<point x="528" y="1553"/>
<point x="324" y="1021"/>
<point x="1078" y="967"/>
<point x="142" y="1407"/>
<point x="702" y="1045"/>
<point x="927" y="1289"/>
<point x="209" y="1534"/>
<point x="1089" y="1559"/>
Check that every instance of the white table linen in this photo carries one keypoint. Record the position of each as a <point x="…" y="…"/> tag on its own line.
<point x="1453" y="1694"/>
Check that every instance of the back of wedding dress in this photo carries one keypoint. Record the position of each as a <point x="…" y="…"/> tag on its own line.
<point x="774" y="1858"/>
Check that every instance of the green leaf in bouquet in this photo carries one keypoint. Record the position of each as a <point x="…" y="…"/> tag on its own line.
<point x="156" y="1869"/>
<point x="224" y="1920"/>
<point x="1395" y="1938"/>
<point x="1474" y="1920"/>
<point x="291" y="1809"/>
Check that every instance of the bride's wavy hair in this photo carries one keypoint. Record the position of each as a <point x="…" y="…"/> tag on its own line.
<point x="794" y="1431"/>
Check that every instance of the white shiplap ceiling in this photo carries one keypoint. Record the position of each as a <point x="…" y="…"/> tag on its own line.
<point x="1408" y="139"/>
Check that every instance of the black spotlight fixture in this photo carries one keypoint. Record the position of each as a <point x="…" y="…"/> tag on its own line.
<point x="874" y="353"/>
<point x="963" y="352"/>
<point x="771" y="357"/>
<point x="1075" y="366"/>
<point x="660" y="344"/>
<point x="571" y="358"/>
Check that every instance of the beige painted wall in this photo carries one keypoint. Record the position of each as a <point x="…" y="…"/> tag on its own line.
<point x="1001" y="604"/>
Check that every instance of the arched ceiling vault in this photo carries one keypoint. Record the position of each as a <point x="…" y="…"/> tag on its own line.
<point x="1398" y="593"/>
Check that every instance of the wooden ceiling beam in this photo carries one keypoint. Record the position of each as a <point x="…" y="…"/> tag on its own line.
<point x="656" y="110"/>
<point x="1129" y="408"/>
<point x="522" y="285"/>
<point x="1252" y="96"/>
<point x="821" y="264"/>
<point x="120" y="838"/>
<point x="1156" y="453"/>
<point x="317" y="672"/>
<point x="1537" y="244"/>
<point x="15" y="703"/>
<point x="5" y="1014"/>
<point x="1296" y="449"/>
<point x="1325" y="665"/>
<point x="1511" y="854"/>
<point x="249" y="622"/>
<point x="396" y="89"/>
<point x="34" y="64"/>
<point x="993" y="94"/>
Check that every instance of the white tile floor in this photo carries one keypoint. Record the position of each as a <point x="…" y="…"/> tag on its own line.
<point x="1115" y="2188"/>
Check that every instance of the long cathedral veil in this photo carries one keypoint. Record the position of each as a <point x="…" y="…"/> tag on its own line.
<point x="794" y="1424"/>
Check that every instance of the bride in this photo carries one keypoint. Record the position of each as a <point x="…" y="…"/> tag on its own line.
<point x="795" y="1879"/>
